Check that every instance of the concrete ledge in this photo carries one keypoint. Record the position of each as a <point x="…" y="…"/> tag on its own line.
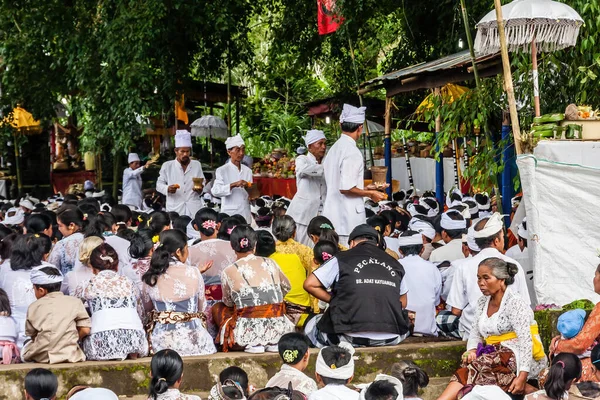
<point x="439" y="359"/>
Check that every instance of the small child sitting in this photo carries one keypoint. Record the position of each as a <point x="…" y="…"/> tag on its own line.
<point x="334" y="370"/>
<point x="55" y="322"/>
<point x="293" y="349"/>
<point x="8" y="332"/>
<point x="323" y="251"/>
<point x="40" y="384"/>
<point x="570" y="324"/>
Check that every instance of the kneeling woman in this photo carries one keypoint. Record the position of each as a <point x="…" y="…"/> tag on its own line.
<point x="177" y="291"/>
<point x="252" y="315"/>
<point x="504" y="347"/>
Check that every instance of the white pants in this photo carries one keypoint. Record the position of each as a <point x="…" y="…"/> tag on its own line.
<point x="302" y="235"/>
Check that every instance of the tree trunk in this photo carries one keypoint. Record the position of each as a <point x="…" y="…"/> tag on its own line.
<point x="116" y="174"/>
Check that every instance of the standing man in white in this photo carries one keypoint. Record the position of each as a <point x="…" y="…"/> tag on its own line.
<point x="175" y="180"/>
<point x="344" y="175"/>
<point x="232" y="179"/>
<point x="132" y="181"/>
<point x="310" y="196"/>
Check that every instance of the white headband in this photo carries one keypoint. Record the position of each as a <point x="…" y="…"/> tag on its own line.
<point x="38" y="277"/>
<point x="423" y="227"/>
<point x="431" y="212"/>
<point x="487" y="205"/>
<point x="471" y="238"/>
<point x="492" y="227"/>
<point x="346" y="372"/>
<point x="451" y="203"/>
<point x="522" y="232"/>
<point x="413" y="211"/>
<point x="413" y="240"/>
<point x="382" y="377"/>
<point x="448" y="223"/>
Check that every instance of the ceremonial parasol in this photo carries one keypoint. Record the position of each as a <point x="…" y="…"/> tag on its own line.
<point x="210" y="126"/>
<point x="530" y="25"/>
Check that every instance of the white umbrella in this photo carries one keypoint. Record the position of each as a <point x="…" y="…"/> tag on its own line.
<point x="210" y="126"/>
<point x="530" y="25"/>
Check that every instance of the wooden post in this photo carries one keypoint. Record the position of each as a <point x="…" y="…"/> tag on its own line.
<point x="17" y="162"/>
<point x="439" y="164"/>
<point x="116" y="170"/>
<point x="387" y="143"/>
<point x="536" y="84"/>
<point x="508" y="83"/>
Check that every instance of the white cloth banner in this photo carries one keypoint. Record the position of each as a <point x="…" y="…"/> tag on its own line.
<point x="563" y="237"/>
<point x="423" y="170"/>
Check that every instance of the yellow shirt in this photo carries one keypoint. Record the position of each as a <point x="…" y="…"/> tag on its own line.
<point x="294" y="270"/>
<point x="304" y="252"/>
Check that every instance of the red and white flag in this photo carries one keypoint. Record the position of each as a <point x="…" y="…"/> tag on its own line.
<point x="327" y="19"/>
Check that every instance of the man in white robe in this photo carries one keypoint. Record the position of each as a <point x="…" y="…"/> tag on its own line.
<point x="310" y="183"/>
<point x="176" y="178"/>
<point x="132" y="181"/>
<point x="453" y="226"/>
<point x="520" y="252"/>
<point x="344" y="176"/>
<point x="465" y="292"/>
<point x="232" y="179"/>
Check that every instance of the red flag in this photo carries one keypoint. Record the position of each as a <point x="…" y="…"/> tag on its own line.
<point x="328" y="21"/>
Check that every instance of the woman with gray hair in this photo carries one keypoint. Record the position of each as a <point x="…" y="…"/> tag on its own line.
<point x="504" y="347"/>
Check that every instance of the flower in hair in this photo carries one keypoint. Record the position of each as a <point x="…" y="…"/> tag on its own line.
<point x="107" y="258"/>
<point x="231" y="230"/>
<point x="155" y="239"/>
<point x="140" y="219"/>
<point x="244" y="243"/>
<point x="326" y="226"/>
<point x="326" y="256"/>
<point x="290" y="356"/>
<point x="210" y="224"/>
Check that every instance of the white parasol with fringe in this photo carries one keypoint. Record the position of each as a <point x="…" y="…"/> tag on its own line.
<point x="530" y="25"/>
<point x="210" y="126"/>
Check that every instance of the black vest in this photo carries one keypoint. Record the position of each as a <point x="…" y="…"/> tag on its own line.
<point x="366" y="297"/>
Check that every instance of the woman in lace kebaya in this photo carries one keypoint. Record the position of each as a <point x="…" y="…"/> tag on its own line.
<point x="177" y="291"/>
<point x="116" y="308"/>
<point x="252" y="315"/>
<point x="504" y="347"/>
<point x="71" y="222"/>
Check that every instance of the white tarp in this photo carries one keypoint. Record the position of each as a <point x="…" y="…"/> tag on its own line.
<point x="563" y="220"/>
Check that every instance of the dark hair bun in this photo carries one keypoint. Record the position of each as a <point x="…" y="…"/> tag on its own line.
<point x="512" y="269"/>
<point x="161" y="386"/>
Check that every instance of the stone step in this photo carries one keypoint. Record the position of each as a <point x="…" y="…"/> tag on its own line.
<point x="438" y="358"/>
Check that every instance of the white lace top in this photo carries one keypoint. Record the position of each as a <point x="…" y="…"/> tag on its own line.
<point x="65" y="254"/>
<point x="512" y="316"/>
<point x="216" y="250"/>
<point x="175" y="394"/>
<point x="299" y="380"/>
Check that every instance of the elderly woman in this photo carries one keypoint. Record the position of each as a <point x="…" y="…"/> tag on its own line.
<point x="284" y="230"/>
<point x="504" y="347"/>
<point x="585" y="339"/>
<point x="252" y="315"/>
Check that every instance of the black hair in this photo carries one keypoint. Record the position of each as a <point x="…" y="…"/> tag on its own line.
<point x="419" y="209"/>
<point x="522" y="238"/>
<point x="243" y="239"/>
<point x="565" y="368"/>
<point x="275" y="392"/>
<point x="501" y="269"/>
<point x="170" y="241"/>
<point x="239" y="218"/>
<point x="455" y="233"/>
<point x="173" y="215"/>
<point x="455" y="197"/>
<point x="349" y="127"/>
<point x="481" y="199"/>
<point x="157" y="222"/>
<point x="72" y="215"/>
<point x="37" y="223"/>
<point x="398" y="196"/>
<point x="595" y="356"/>
<point x="99" y="224"/>
<point x="141" y="243"/>
<point x="166" y="369"/>
<point x="322" y="228"/>
<point x="5" y="303"/>
<point x="227" y="226"/>
<point x="182" y="223"/>
<point x="284" y="228"/>
<point x="104" y="257"/>
<point x="222" y="217"/>
<point x="412" y="377"/>
<point x="390" y="216"/>
<point x="369" y="213"/>
<point x="263" y="217"/>
<point x="89" y="205"/>
<point x="402" y="219"/>
<point x="324" y="247"/>
<point x="28" y="251"/>
<point x="52" y="287"/>
<point x="484" y="243"/>
<point x="265" y="243"/>
<point x="338" y="356"/>
<point x="108" y="199"/>
<point x="412" y="250"/>
<point x="237" y="375"/>
<point x="122" y="213"/>
<point x="206" y="215"/>
<point x="125" y="233"/>
<point x="41" y="383"/>
<point x="6" y="244"/>
<point x="378" y="223"/>
<point x="292" y="347"/>
<point x="381" y="390"/>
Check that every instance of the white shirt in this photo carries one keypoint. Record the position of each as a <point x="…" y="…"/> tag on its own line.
<point x="522" y="257"/>
<point x="449" y="252"/>
<point x="424" y="283"/>
<point x="121" y="246"/>
<point x="465" y="291"/>
<point x="233" y="201"/>
<point x="334" y="392"/>
<point x="184" y="201"/>
<point x="344" y="169"/>
<point x="299" y="380"/>
<point x="310" y="196"/>
<point x="132" y="187"/>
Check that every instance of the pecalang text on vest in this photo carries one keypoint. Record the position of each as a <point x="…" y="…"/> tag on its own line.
<point x="364" y="263"/>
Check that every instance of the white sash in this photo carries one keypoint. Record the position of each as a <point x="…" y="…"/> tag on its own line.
<point x="116" y="318"/>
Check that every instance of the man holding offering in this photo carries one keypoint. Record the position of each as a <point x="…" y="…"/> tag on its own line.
<point x="232" y="179"/>
<point x="132" y="181"/>
<point x="176" y="178"/>
<point x="344" y="175"/>
<point x="310" y="196"/>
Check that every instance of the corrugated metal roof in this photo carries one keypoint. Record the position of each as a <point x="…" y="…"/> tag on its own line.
<point x="445" y="63"/>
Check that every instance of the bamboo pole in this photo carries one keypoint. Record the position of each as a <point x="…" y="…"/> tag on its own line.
<point x="536" y="84"/>
<point x="465" y="16"/>
<point x="508" y="83"/>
